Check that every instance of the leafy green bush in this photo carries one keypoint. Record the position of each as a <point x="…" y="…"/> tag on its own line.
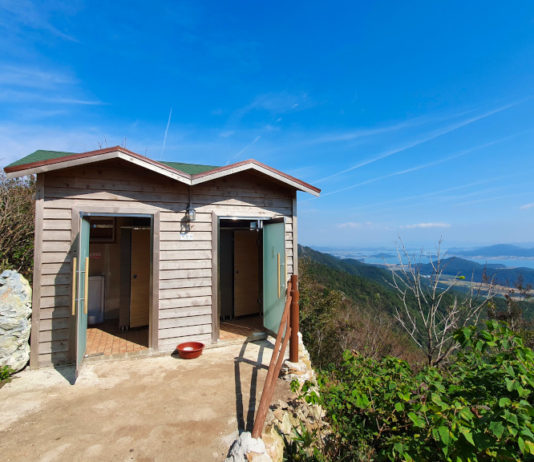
<point x="479" y="408"/>
<point x="5" y="373"/>
<point x="16" y="224"/>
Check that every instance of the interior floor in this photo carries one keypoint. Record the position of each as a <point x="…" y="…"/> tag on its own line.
<point x="241" y="328"/>
<point x="107" y="339"/>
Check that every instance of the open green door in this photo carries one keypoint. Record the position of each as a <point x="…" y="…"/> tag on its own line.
<point x="274" y="273"/>
<point x="82" y="292"/>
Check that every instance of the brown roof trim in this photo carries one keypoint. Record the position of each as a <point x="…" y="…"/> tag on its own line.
<point x="92" y="154"/>
<point x="159" y="165"/>
<point x="260" y="164"/>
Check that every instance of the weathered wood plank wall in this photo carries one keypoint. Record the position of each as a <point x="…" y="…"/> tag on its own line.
<point x="184" y="298"/>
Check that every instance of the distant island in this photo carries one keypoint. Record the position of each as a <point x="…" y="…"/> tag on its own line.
<point x="500" y="263"/>
<point x="495" y="251"/>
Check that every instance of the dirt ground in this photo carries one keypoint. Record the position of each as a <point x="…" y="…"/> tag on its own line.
<point x="144" y="409"/>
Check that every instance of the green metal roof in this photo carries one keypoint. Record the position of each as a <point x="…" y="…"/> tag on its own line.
<point x="42" y="155"/>
<point x="39" y="156"/>
<point x="191" y="169"/>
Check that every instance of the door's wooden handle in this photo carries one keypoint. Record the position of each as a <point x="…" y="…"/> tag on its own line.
<point x="285" y="270"/>
<point x="278" y="266"/>
<point x="86" y="288"/>
<point x="74" y="265"/>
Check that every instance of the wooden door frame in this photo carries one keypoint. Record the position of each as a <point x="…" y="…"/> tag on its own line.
<point x="126" y="212"/>
<point x="215" y="276"/>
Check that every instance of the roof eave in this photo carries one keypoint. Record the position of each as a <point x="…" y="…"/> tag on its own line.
<point x="100" y="155"/>
<point x="119" y="152"/>
<point x="259" y="167"/>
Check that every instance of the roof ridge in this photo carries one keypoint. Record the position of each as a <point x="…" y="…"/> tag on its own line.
<point x="191" y="174"/>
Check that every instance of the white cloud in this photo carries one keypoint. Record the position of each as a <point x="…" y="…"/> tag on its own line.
<point x="16" y="96"/>
<point x="21" y="14"/>
<point x="354" y="225"/>
<point x="32" y="77"/>
<point x="527" y="206"/>
<point x="426" y="225"/>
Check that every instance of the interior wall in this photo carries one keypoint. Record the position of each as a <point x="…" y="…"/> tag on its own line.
<point x="113" y="261"/>
<point x="227" y="271"/>
<point x="226" y="277"/>
<point x="104" y="260"/>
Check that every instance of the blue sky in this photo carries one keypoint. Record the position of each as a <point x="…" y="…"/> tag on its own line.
<point x="415" y="118"/>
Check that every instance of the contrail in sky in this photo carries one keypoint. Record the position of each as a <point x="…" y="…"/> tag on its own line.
<point x="431" y="136"/>
<point x="166" y="132"/>
<point x="422" y="166"/>
<point x="235" y="156"/>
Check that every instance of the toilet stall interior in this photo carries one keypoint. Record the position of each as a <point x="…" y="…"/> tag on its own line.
<point x="241" y="269"/>
<point x="119" y="283"/>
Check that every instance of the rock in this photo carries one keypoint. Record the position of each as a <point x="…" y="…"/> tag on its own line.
<point x="282" y="404"/>
<point x="244" y="446"/>
<point x="255" y="457"/>
<point x="278" y="414"/>
<point x="285" y="425"/>
<point x="274" y="444"/>
<point x="317" y="412"/>
<point x="15" y="324"/>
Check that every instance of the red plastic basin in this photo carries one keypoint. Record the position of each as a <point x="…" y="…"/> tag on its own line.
<point x="190" y="350"/>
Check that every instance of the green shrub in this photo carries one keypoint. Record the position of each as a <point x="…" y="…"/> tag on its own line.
<point x="5" y="373"/>
<point x="17" y="224"/>
<point x="479" y="408"/>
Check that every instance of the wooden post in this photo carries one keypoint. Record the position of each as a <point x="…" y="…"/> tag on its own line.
<point x="294" y="320"/>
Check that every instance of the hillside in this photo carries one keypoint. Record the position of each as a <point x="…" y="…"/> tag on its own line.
<point x="342" y="310"/>
<point x="348" y="265"/>
<point x="368" y="284"/>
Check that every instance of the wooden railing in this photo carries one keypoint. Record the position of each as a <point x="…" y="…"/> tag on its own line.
<point x="289" y="328"/>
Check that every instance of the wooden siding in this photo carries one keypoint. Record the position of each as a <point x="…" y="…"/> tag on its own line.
<point x="183" y="291"/>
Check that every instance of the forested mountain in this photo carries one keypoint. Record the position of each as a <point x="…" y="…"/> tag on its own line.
<point x="348" y="265"/>
<point x="348" y="305"/>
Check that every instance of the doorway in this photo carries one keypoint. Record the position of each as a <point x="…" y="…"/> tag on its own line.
<point x="252" y="276"/>
<point x="118" y="252"/>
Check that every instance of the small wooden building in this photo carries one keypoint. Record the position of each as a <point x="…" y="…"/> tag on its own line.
<point x="164" y="248"/>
